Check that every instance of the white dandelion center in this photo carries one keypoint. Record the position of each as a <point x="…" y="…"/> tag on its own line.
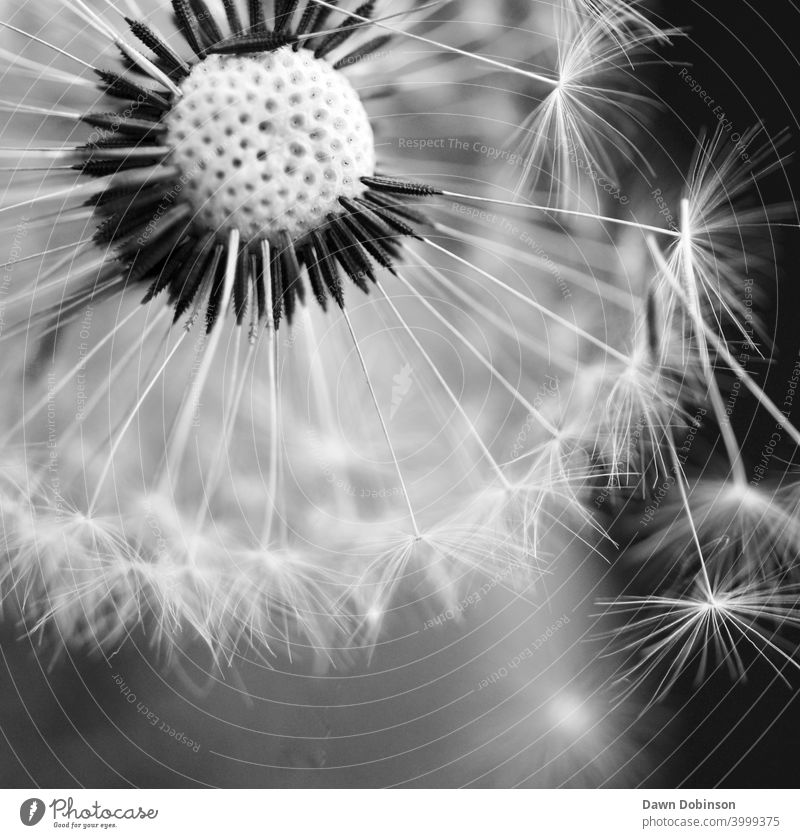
<point x="269" y="143"/>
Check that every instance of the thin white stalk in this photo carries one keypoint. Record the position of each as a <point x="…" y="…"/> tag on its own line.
<point x="232" y="406"/>
<point x="609" y="350"/>
<point x="627" y="300"/>
<point x="42" y="253"/>
<point x="385" y="430"/>
<point x="180" y="438"/>
<point x="664" y="231"/>
<point x="681" y="481"/>
<point x="77" y="424"/>
<point x="21" y="107"/>
<point x="38" y="71"/>
<point x="507" y="385"/>
<point x="721" y="347"/>
<point x="430" y="394"/>
<point x="99" y="25"/>
<point x="65" y="379"/>
<point x="271" y="513"/>
<point x="717" y="404"/>
<point x="447" y="389"/>
<point x="80" y="153"/>
<point x="115" y="447"/>
<point x="47" y="44"/>
<point x="46" y="283"/>
<point x="447" y="48"/>
<point x="365" y="23"/>
<point x="542" y="349"/>
<point x="322" y="395"/>
<point x="94" y="186"/>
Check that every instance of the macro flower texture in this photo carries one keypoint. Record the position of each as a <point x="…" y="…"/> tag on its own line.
<point x="319" y="317"/>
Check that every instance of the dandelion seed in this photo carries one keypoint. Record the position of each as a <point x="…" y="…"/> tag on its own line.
<point x="623" y="414"/>
<point x="621" y="17"/>
<point x="669" y="634"/>
<point x="570" y="134"/>
<point x="716" y="255"/>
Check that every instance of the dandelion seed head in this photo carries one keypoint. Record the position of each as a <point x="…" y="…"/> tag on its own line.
<point x="270" y="142"/>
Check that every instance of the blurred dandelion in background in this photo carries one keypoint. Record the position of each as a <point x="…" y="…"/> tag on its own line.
<point x="350" y="342"/>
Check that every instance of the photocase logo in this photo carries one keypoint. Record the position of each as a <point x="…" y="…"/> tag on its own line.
<point x="66" y="813"/>
<point x="31" y="811"/>
<point x="402" y="385"/>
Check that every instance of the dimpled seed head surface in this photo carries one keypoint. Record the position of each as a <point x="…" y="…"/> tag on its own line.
<point x="269" y="142"/>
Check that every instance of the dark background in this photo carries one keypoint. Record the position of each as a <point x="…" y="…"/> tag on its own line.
<point x="745" y="55"/>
